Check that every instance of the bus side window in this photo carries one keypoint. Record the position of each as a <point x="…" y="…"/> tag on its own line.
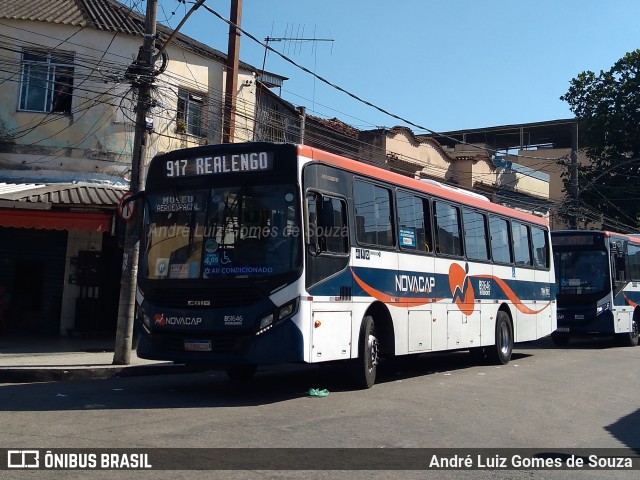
<point x="633" y="262"/>
<point x="326" y="224"/>
<point x="447" y="229"/>
<point x="332" y="225"/>
<point x="373" y="204"/>
<point x="413" y="215"/>
<point x="540" y="247"/>
<point x="500" y="240"/>
<point x="521" y="248"/>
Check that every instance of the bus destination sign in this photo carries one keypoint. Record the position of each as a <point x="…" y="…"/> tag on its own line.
<point x="220" y="164"/>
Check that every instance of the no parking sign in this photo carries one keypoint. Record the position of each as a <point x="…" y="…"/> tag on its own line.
<point x="125" y="210"/>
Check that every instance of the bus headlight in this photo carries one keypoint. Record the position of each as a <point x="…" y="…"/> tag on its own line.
<point x="284" y="312"/>
<point x="266" y="321"/>
<point x="603" y="308"/>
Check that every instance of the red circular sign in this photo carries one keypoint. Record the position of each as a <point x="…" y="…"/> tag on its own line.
<point x="125" y="210"/>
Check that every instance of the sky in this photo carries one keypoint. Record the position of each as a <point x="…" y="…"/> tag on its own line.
<point x="442" y="65"/>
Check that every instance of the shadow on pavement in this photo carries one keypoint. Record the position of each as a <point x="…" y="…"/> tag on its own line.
<point x="213" y="389"/>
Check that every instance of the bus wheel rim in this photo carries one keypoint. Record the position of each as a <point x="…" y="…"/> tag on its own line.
<point x="504" y="338"/>
<point x="372" y="346"/>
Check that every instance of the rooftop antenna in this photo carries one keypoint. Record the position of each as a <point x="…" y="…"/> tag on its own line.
<point x="297" y="41"/>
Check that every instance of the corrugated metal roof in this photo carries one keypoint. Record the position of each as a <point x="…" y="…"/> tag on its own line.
<point x="66" y="12"/>
<point x="9" y="188"/>
<point x="101" y="14"/>
<point x="113" y="16"/>
<point x="60" y="195"/>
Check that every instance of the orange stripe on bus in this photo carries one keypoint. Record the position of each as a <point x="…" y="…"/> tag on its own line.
<point x="513" y="297"/>
<point x="629" y="301"/>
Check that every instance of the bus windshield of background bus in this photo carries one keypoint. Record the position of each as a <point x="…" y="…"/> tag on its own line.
<point x="582" y="272"/>
<point x="222" y="232"/>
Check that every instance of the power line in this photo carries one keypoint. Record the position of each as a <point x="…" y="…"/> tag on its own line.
<point x="437" y="172"/>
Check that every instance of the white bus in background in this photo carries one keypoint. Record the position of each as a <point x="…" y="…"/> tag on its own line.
<point x="598" y="292"/>
<point x="261" y="253"/>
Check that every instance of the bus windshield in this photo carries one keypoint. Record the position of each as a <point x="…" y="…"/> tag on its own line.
<point x="239" y="231"/>
<point x="582" y="271"/>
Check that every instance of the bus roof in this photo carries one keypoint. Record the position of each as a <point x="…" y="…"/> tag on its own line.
<point x="465" y="198"/>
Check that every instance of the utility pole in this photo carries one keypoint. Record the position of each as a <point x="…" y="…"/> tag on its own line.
<point x="142" y="74"/>
<point x="573" y="180"/>
<point x="231" y="84"/>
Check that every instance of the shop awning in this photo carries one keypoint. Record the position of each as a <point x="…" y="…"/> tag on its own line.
<point x="59" y="206"/>
<point x="48" y="220"/>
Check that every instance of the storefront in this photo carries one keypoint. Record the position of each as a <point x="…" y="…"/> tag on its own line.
<point x="59" y="259"/>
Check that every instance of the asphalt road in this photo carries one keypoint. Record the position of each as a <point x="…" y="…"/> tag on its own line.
<point x="583" y="396"/>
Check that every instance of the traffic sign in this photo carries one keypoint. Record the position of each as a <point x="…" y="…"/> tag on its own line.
<point x="125" y="210"/>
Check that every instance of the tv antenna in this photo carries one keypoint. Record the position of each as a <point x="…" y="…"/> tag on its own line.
<point x="297" y="41"/>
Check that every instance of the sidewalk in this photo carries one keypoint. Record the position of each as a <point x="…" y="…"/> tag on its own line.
<point x="44" y="359"/>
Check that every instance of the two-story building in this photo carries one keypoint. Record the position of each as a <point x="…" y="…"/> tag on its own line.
<point x="66" y="133"/>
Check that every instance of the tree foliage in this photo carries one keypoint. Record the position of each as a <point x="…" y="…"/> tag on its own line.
<point x="607" y="106"/>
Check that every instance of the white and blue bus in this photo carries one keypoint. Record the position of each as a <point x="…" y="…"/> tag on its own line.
<point x="598" y="285"/>
<point x="261" y="253"/>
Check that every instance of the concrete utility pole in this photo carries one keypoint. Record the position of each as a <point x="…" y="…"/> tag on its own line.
<point x="143" y="75"/>
<point x="231" y="84"/>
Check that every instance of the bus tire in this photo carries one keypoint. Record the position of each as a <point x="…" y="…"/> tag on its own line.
<point x="501" y="353"/>
<point x="366" y="365"/>
<point x="560" y="340"/>
<point x="630" y="339"/>
<point x="241" y="373"/>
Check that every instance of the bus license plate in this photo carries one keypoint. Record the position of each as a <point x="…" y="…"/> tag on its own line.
<point x="563" y="329"/>
<point x="198" y="345"/>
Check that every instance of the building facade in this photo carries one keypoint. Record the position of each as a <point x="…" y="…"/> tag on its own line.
<point x="68" y="97"/>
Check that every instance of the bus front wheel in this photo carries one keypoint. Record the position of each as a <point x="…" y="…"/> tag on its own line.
<point x="503" y="347"/>
<point x="366" y="365"/>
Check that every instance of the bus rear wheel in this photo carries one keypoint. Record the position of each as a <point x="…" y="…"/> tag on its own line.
<point x="501" y="353"/>
<point x="365" y="367"/>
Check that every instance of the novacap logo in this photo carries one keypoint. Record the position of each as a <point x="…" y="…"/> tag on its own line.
<point x="159" y="319"/>
<point x="461" y="288"/>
